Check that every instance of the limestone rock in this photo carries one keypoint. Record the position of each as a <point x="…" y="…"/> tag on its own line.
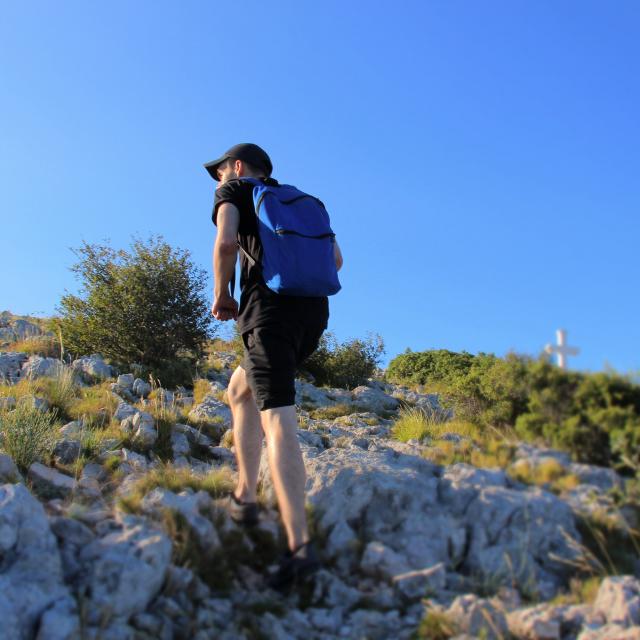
<point x="8" y="470"/>
<point x="125" y="381"/>
<point x="11" y="366"/>
<point x="141" y="388"/>
<point x="417" y="584"/>
<point x="67" y="451"/>
<point x="618" y="600"/>
<point x="308" y="394"/>
<point x="211" y="409"/>
<point x="49" y="483"/>
<point x="602" y="477"/>
<point x="195" y="436"/>
<point x="72" y="429"/>
<point x="190" y="505"/>
<point x="37" y="366"/>
<point x="180" y="444"/>
<point x="92" y="368"/>
<point x="478" y="617"/>
<point x="379" y="560"/>
<point x="374" y="399"/>
<point x="611" y="632"/>
<point x="31" y="578"/>
<point x="124" y="570"/>
<point x="123" y="411"/>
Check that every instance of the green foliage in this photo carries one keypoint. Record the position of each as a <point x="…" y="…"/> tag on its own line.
<point x="594" y="416"/>
<point x="27" y="434"/>
<point x="345" y="365"/>
<point x="145" y="306"/>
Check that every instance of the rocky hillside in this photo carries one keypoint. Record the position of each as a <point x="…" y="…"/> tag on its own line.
<point x="120" y="528"/>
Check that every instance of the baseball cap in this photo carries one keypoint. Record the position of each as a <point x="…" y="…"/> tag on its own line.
<point x="246" y="151"/>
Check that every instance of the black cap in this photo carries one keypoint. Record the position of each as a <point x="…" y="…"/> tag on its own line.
<point x="245" y="151"/>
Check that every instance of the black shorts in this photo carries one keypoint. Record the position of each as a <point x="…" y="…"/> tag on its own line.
<point x="272" y="354"/>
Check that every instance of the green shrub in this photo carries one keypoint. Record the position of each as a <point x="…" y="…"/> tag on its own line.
<point x="27" y="434"/>
<point x="594" y="416"/>
<point x="145" y="306"/>
<point x="345" y="365"/>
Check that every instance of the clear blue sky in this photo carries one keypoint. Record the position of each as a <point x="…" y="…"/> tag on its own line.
<point x="480" y="160"/>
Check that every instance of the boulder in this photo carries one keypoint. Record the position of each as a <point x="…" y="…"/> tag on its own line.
<point x="141" y="388"/>
<point x="11" y="366"/>
<point x="37" y="366"/>
<point x="179" y="444"/>
<point x="195" y="436"/>
<point x="190" y="505"/>
<point x="92" y="368"/>
<point x="8" y="470"/>
<point x="211" y="409"/>
<point x="72" y="429"/>
<point x="618" y="600"/>
<point x="309" y="394"/>
<point x="123" y="570"/>
<point x="31" y="577"/>
<point x="67" y="451"/>
<point x="49" y="483"/>
<point x="143" y="428"/>
<point x="478" y="617"/>
<point x="374" y="399"/>
<point x="602" y="477"/>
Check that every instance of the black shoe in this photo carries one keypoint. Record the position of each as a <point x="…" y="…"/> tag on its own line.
<point x="294" y="567"/>
<point x="244" y="513"/>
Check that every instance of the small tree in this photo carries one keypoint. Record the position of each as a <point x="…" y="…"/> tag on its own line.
<point x="345" y="365"/>
<point x="145" y="306"/>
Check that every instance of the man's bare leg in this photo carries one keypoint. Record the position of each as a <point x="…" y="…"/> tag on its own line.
<point x="287" y="471"/>
<point x="247" y="435"/>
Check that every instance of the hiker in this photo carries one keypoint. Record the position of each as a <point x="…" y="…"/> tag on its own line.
<point x="278" y="332"/>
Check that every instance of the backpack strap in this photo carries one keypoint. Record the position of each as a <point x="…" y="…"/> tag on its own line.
<point x="232" y="284"/>
<point x="251" y="260"/>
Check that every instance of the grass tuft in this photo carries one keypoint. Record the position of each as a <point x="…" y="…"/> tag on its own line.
<point x="216" y="483"/>
<point x="27" y="434"/>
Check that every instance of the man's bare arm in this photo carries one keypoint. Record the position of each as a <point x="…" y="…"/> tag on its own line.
<point x="225" y="251"/>
<point x="337" y="254"/>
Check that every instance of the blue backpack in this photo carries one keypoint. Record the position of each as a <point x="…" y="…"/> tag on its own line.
<point x="297" y="241"/>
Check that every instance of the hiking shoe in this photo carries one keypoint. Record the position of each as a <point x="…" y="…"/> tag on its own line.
<point x="295" y="566"/>
<point x="244" y="513"/>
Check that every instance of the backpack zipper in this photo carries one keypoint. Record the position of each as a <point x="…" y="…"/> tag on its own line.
<point x="264" y="193"/>
<point x="286" y="232"/>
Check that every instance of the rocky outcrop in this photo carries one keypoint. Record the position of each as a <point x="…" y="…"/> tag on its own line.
<point x="32" y="588"/>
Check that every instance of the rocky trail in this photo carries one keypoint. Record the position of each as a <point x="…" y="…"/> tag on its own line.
<point x="410" y="547"/>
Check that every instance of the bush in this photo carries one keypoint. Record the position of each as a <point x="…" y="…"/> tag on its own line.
<point x="346" y="365"/>
<point x="143" y="306"/>
<point x="27" y="434"/>
<point x="594" y="416"/>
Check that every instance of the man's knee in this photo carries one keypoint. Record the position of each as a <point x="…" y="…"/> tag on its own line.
<point x="239" y="389"/>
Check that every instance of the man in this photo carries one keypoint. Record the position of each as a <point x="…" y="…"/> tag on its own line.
<point x="278" y="333"/>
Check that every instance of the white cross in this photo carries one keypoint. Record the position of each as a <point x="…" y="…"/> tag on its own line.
<point x="561" y="349"/>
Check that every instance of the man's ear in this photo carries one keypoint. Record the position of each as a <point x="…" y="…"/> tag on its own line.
<point x="238" y="167"/>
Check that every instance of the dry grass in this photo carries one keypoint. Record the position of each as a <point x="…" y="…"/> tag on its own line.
<point x="435" y="625"/>
<point x="217" y="483"/>
<point x="94" y="405"/>
<point x="27" y="434"/>
<point x="417" y="424"/>
<point x="549" y="474"/>
<point x="59" y="390"/>
<point x="201" y="388"/>
<point x="45" y="346"/>
<point x="332" y="412"/>
<point x="581" y="591"/>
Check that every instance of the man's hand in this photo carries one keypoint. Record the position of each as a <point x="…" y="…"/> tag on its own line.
<point x="224" y="308"/>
